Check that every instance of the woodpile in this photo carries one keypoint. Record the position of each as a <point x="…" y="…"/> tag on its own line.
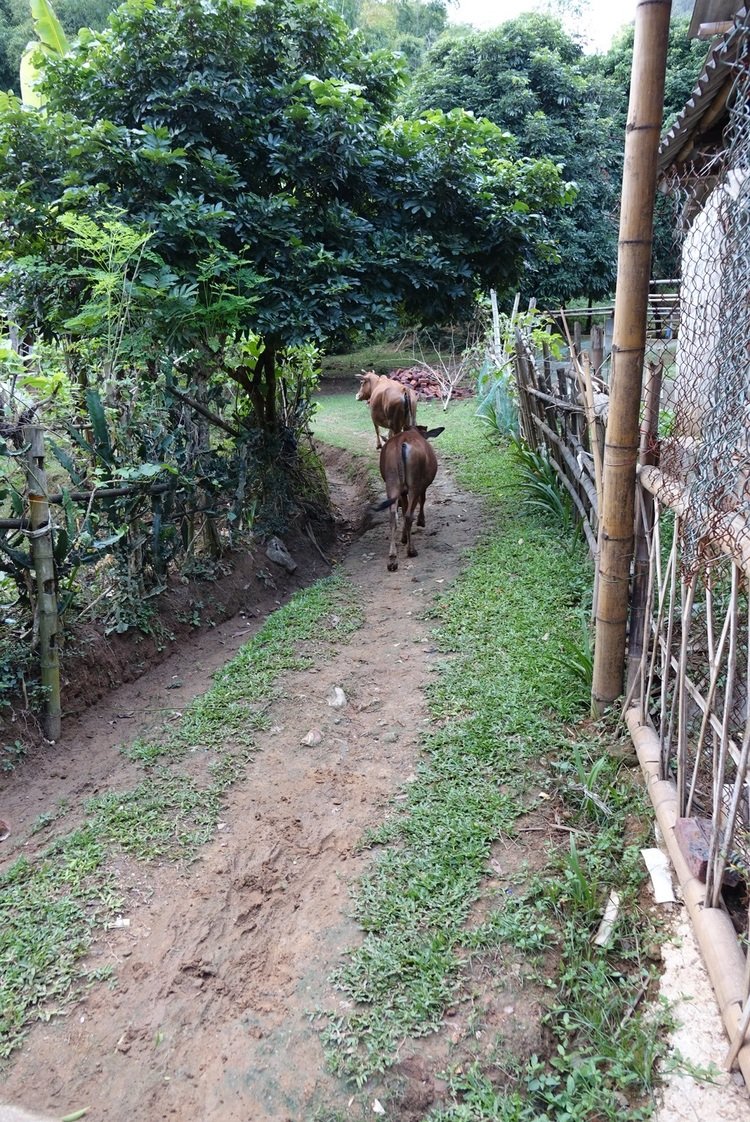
<point x="425" y="384"/>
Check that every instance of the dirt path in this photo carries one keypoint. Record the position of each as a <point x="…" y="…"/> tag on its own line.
<point x="220" y="966"/>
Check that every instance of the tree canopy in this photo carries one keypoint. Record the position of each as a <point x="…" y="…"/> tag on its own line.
<point x="533" y="80"/>
<point x="17" y="29"/>
<point x="255" y="143"/>
<point x="409" y="27"/>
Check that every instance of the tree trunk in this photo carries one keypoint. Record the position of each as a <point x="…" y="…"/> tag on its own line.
<point x="628" y="346"/>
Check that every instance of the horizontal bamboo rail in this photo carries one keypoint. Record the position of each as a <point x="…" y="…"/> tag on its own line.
<point x="558" y="403"/>
<point x="713" y="928"/>
<point x="86" y="496"/>
<point x="582" y="477"/>
<point x="731" y="531"/>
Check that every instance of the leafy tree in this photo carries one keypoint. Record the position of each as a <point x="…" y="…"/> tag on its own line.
<point x="532" y="79"/>
<point x="685" y="60"/>
<point x="17" y="29"/>
<point x="409" y="27"/>
<point x="254" y="142"/>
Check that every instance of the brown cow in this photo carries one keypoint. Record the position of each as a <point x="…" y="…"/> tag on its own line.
<point x="392" y="406"/>
<point x="408" y="465"/>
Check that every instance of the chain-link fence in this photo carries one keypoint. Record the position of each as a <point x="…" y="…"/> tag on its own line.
<point x="695" y="673"/>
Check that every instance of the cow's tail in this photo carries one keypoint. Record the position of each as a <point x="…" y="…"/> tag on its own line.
<point x="384" y="505"/>
<point x="402" y="462"/>
<point x="410" y="415"/>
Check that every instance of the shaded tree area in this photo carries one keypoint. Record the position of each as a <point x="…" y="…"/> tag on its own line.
<point x="685" y="60"/>
<point x="254" y="147"/>
<point x="17" y="29"/>
<point x="408" y="27"/>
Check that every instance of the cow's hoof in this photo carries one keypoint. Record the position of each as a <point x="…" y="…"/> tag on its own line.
<point x="420" y="522"/>
<point x="412" y="552"/>
<point x="392" y="566"/>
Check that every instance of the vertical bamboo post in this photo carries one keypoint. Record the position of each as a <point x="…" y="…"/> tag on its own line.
<point x="524" y="397"/>
<point x="616" y="525"/>
<point x="44" y="567"/>
<point x="640" y="607"/>
<point x="496" y="343"/>
<point x="597" y="347"/>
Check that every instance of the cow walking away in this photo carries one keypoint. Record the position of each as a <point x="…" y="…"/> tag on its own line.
<point x="392" y="406"/>
<point x="408" y="465"/>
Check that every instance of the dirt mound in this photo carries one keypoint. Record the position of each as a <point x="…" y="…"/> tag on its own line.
<point x="246" y="583"/>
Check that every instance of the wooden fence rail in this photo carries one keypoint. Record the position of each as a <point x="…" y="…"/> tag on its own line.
<point x="554" y="416"/>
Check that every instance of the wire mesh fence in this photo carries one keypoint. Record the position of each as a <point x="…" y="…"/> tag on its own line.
<point x="694" y="675"/>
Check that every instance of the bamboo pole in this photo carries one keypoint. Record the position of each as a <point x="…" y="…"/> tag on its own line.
<point x="616" y="526"/>
<point x="713" y="928"/>
<point x="42" y="555"/>
<point x="642" y="583"/>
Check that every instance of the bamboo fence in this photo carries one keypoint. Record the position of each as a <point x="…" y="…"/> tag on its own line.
<point x="688" y="695"/>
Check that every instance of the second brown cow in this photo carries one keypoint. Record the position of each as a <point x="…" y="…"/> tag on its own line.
<point x="408" y="465"/>
<point x="392" y="406"/>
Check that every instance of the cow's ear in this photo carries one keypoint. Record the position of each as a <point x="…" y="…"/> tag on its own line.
<point x="432" y="433"/>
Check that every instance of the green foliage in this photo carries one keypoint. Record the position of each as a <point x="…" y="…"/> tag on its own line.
<point x="496" y="388"/>
<point x="532" y="79"/>
<point x="685" y="60"/>
<point x="17" y="29"/>
<point x="50" y="41"/>
<point x="315" y="209"/>
<point x="408" y="27"/>
<point x="540" y="487"/>
<point x="47" y="911"/>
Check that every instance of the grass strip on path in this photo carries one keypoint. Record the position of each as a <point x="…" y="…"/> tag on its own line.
<point x="51" y="907"/>
<point x="507" y="737"/>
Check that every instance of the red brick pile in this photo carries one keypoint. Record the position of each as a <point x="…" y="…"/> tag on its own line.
<point x="425" y="384"/>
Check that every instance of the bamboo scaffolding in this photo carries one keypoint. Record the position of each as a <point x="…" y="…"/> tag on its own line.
<point x="642" y="584"/>
<point x="715" y="667"/>
<point x="696" y="696"/>
<point x="713" y="881"/>
<point x="688" y="596"/>
<point x="730" y="532"/>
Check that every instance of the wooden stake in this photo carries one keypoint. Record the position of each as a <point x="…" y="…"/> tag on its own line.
<point x="44" y="567"/>
<point x="641" y="602"/>
<point x="628" y="347"/>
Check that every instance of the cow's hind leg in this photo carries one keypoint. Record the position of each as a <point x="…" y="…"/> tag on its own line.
<point x="420" y="519"/>
<point x="393" y="551"/>
<point x="408" y="521"/>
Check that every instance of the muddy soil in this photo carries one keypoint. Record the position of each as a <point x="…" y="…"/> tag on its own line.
<point x="221" y="963"/>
